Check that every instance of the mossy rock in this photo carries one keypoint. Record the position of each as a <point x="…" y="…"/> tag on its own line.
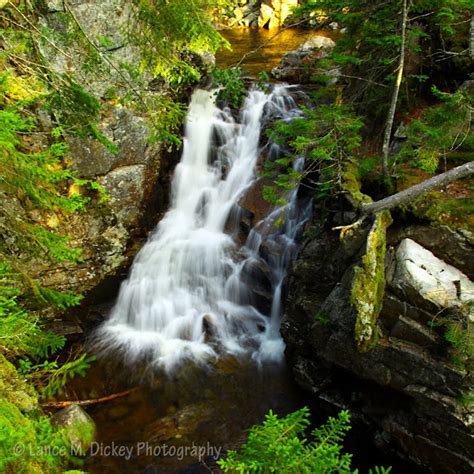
<point x="351" y="184"/>
<point x="78" y="427"/>
<point x="15" y="390"/>
<point x="368" y="283"/>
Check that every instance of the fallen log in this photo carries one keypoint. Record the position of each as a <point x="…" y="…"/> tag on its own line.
<point x="407" y="195"/>
<point x="414" y="191"/>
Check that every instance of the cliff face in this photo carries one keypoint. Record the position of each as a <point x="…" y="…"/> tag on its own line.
<point x="398" y="373"/>
<point x="86" y="41"/>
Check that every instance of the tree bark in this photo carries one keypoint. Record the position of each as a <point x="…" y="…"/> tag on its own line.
<point x="396" y="90"/>
<point x="408" y="194"/>
<point x="471" y="39"/>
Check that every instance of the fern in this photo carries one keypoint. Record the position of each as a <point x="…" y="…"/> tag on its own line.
<point x="280" y="445"/>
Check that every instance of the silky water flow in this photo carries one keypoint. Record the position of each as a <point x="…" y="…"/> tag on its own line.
<point x="185" y="298"/>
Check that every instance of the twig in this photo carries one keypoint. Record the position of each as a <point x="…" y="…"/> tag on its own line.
<point x="67" y="403"/>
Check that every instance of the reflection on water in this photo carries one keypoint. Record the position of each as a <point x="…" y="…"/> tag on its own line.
<point x="270" y="47"/>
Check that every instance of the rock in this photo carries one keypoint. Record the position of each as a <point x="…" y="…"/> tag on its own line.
<point x="267" y="17"/>
<point x="302" y="64"/>
<point x="411" y="331"/>
<point x="253" y="201"/>
<point x="318" y="42"/>
<point x="127" y="131"/>
<point x="428" y="281"/>
<point x="126" y="187"/>
<point x="406" y="386"/>
<point x="467" y="87"/>
<point x="78" y="426"/>
<point x="451" y="246"/>
<point x="54" y="6"/>
<point x="14" y="389"/>
<point x="257" y="275"/>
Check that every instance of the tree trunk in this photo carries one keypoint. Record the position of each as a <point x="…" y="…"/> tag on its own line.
<point x="415" y="191"/>
<point x="471" y="39"/>
<point x="396" y="90"/>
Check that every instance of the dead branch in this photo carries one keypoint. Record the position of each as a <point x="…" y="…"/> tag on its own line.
<point x="66" y="403"/>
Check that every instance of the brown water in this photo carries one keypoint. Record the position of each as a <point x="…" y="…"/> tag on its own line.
<point x="154" y="428"/>
<point x="263" y="48"/>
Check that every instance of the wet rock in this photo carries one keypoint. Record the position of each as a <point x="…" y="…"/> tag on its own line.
<point x="178" y="424"/>
<point x="253" y="201"/>
<point x="301" y="65"/>
<point x="78" y="426"/>
<point x="257" y="275"/>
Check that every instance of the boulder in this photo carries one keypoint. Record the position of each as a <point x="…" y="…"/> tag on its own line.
<point x="302" y="64"/>
<point x="253" y="201"/>
<point x="127" y="131"/>
<point x="78" y="427"/>
<point x="126" y="187"/>
<point x="322" y="43"/>
<point x="428" y="282"/>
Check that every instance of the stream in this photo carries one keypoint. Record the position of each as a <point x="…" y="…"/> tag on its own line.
<point x="189" y="335"/>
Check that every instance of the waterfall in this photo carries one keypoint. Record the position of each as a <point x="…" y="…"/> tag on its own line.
<point x="185" y="298"/>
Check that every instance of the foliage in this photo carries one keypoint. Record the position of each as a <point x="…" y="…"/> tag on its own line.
<point x="458" y="333"/>
<point x="165" y="30"/>
<point x="280" y="445"/>
<point x="49" y="377"/>
<point x="441" y="130"/>
<point x="437" y="38"/>
<point x="29" y="443"/>
<point x="231" y="88"/>
<point x="326" y="137"/>
<point x="21" y="331"/>
<point x="35" y="191"/>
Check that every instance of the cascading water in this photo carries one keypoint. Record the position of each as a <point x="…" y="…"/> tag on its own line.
<point x="185" y="297"/>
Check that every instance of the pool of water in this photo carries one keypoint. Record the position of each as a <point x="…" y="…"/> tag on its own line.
<point x="256" y="50"/>
<point x="155" y="427"/>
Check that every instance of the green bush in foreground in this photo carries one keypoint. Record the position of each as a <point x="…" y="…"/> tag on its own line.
<point x="280" y="445"/>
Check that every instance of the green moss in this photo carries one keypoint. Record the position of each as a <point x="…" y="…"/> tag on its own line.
<point x="28" y="441"/>
<point x="444" y="209"/>
<point x="351" y="184"/>
<point x="15" y="390"/>
<point x="322" y="317"/>
<point x="368" y="284"/>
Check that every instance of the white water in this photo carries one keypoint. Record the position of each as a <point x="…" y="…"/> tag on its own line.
<point x="184" y="298"/>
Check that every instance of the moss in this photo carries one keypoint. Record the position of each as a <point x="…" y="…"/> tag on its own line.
<point x="28" y="441"/>
<point x="15" y="390"/>
<point x="351" y="184"/>
<point x="368" y="284"/>
<point x="444" y="209"/>
<point x="322" y="317"/>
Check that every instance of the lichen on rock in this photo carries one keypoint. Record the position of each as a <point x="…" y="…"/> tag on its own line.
<point x="368" y="285"/>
